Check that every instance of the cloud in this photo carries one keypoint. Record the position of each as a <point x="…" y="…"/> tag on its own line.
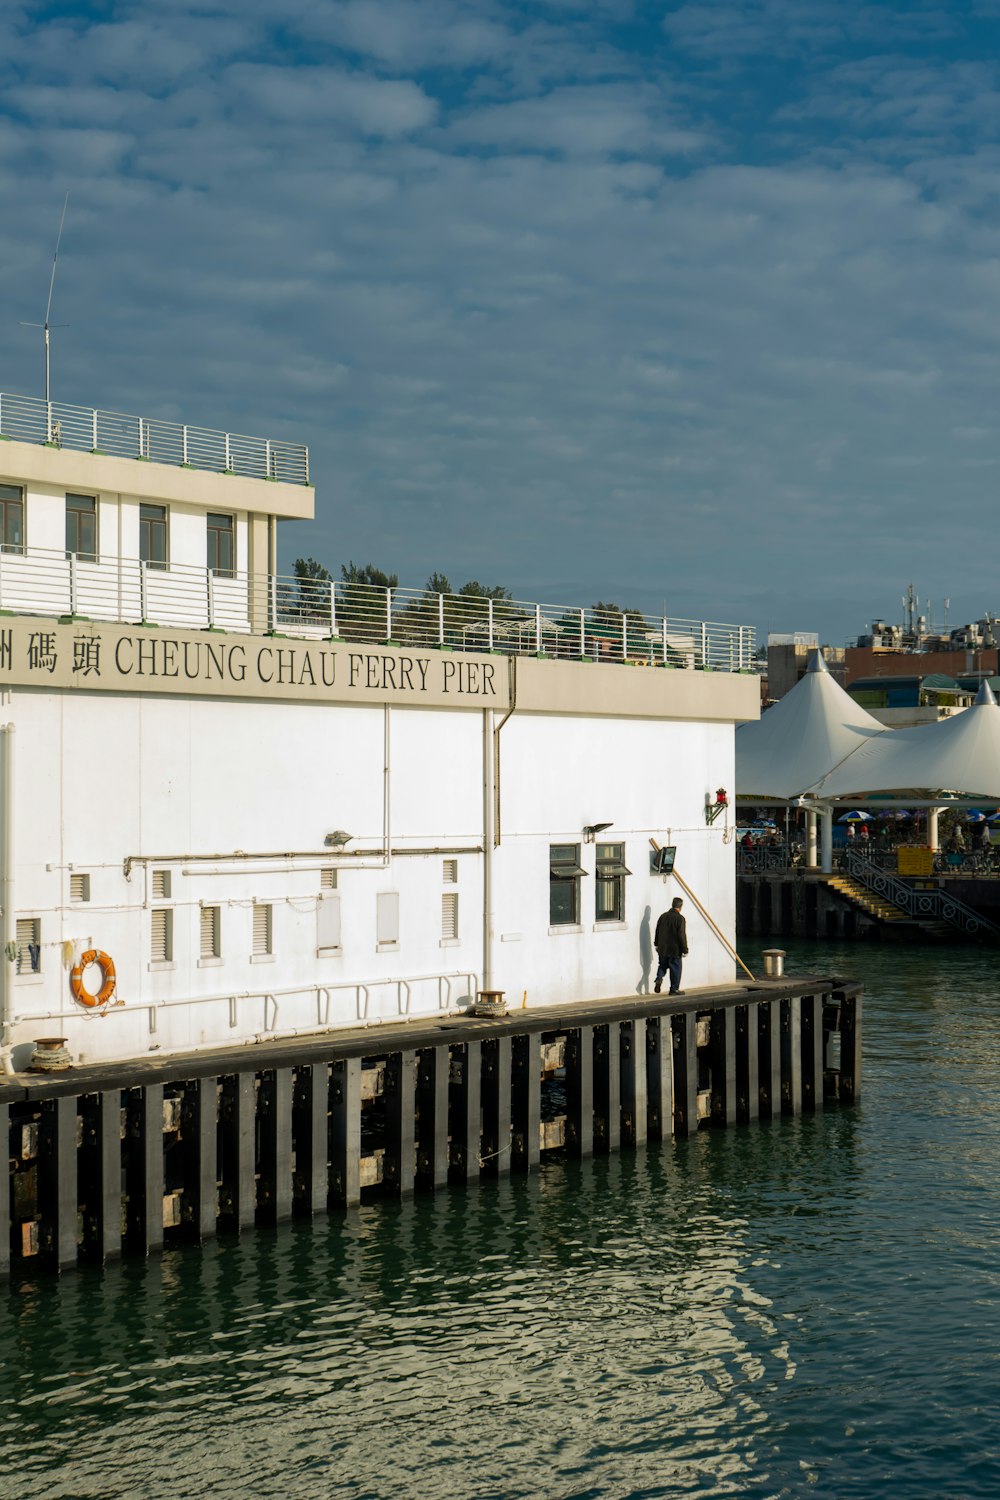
<point x="557" y="296"/>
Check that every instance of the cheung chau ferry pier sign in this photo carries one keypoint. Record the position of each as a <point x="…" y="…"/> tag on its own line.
<point x="54" y="654"/>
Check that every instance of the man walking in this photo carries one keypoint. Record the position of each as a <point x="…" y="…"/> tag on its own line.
<point x="670" y="942"/>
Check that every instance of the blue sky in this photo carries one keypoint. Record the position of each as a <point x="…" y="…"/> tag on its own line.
<point x="694" y="303"/>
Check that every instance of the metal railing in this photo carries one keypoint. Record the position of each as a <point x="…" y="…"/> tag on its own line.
<point x="58" y="425"/>
<point x="934" y="905"/>
<point x="37" y="581"/>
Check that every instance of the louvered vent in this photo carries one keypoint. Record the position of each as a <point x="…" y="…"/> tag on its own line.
<point x="161" y="885"/>
<point x="262" y="930"/>
<point x="79" y="887"/>
<point x="449" y="915"/>
<point x="161" y="949"/>
<point x="210" y="932"/>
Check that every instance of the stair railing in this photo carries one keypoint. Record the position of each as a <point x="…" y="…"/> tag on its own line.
<point x="929" y="906"/>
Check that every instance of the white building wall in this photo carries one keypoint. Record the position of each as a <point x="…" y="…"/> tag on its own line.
<point x="183" y="784"/>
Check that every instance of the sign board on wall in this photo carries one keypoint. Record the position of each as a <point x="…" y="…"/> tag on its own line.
<point x="914" y="860"/>
<point x="123" y="658"/>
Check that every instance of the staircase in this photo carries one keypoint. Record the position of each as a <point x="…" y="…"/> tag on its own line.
<point x="859" y="895"/>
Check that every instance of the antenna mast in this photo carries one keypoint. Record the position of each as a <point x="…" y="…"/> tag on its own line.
<point x="48" y="306"/>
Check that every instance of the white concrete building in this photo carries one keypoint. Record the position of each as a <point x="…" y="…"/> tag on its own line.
<point x="280" y="808"/>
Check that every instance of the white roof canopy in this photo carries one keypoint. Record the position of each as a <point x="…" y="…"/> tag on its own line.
<point x="817" y="743"/>
<point x="802" y="738"/>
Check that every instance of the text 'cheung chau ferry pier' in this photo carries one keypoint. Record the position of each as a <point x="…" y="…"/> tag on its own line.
<point x="268" y="845"/>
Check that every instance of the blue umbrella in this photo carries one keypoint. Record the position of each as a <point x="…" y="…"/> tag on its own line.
<point x="897" y="813"/>
<point x="975" y="816"/>
<point x="855" y="817"/>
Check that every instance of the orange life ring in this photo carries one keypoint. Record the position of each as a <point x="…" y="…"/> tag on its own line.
<point x="80" y="992"/>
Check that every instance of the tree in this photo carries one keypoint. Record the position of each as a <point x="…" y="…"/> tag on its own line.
<point x="310" y="599"/>
<point x="361" y="600"/>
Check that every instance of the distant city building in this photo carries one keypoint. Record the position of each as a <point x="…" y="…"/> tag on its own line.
<point x="788" y="658"/>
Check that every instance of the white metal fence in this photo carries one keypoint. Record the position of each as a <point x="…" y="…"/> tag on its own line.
<point x="40" y="582"/>
<point x="59" y="425"/>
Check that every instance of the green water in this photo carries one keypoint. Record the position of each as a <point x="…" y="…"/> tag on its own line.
<point x="806" y="1307"/>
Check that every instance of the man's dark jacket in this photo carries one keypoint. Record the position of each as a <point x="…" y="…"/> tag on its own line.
<point x="671" y="940"/>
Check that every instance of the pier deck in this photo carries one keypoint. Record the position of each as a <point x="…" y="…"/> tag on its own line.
<point x="129" y="1157"/>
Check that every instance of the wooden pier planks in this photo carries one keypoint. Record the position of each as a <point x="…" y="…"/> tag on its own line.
<point x="96" y="1172"/>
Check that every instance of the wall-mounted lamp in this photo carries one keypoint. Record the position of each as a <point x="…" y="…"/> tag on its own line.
<point x="337" y="839"/>
<point x="590" y="829"/>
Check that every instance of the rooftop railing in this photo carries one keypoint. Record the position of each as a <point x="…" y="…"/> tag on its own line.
<point x="41" y="582"/>
<point x="55" y="424"/>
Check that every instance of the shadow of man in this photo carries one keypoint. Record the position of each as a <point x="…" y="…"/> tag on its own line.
<point x="645" y="953"/>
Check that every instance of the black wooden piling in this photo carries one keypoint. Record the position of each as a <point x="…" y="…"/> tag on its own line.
<point x="199" y="1128"/>
<point x="526" y="1067"/>
<point x="580" y="1091"/>
<point x="607" y="1087"/>
<point x="344" y="1146"/>
<point x="238" y="1189"/>
<point x="311" y="1185"/>
<point x="685" y="1052"/>
<point x="6" y="1192"/>
<point x="433" y="1082"/>
<point x="57" y="1182"/>
<point x="635" y="1084"/>
<point x="850" y="1043"/>
<point x="769" y="1058"/>
<point x="660" y="1077"/>
<point x="722" y="1030"/>
<point x="812" y="1052"/>
<point x="465" y="1112"/>
<point x="791" y="1055"/>
<point x="274" y="1181"/>
<point x="399" y="1171"/>
<point x="496" y="1101"/>
<point x="100" y="1164"/>
<point x="144" y="1169"/>
<point x="747" y="1061"/>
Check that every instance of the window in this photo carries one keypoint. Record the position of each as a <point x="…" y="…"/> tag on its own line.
<point x="81" y="527"/>
<point x="11" y="518"/>
<point x="211" y="932"/>
<point x="565" y="871"/>
<point x="221" y="547"/>
<point x="153" y="535"/>
<point x="449" y="917"/>
<point x="328" y="879"/>
<point x="262" y="919"/>
<point x="328" y="924"/>
<point x="449" y="872"/>
<point x="79" y="887"/>
<point x="161" y="885"/>
<point x="29" y="944"/>
<point x="610" y="888"/>
<point x="161" y="947"/>
<point x="387" y="920"/>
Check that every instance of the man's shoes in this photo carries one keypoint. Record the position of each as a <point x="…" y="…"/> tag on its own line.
<point x="656" y="987"/>
<point x="675" y="992"/>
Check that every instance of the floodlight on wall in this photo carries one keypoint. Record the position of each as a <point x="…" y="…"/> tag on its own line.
<point x="337" y="839"/>
<point x="590" y="829"/>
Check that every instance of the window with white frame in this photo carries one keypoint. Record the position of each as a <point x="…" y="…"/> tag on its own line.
<point x="211" y="932"/>
<point x="11" y="518"/>
<point x="610" y="885"/>
<point x="81" y="527"/>
<point x="328" y="923"/>
<point x="387" y="920"/>
<point x="262" y="927"/>
<point x="565" y="874"/>
<point x="154" y="539"/>
<point x="161" y="945"/>
<point x="28" y="935"/>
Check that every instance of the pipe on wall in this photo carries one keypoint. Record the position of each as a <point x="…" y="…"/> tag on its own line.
<point x="487" y="848"/>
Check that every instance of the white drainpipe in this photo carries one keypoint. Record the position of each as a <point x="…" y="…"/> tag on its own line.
<point x="8" y="932"/>
<point x="487" y="848"/>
